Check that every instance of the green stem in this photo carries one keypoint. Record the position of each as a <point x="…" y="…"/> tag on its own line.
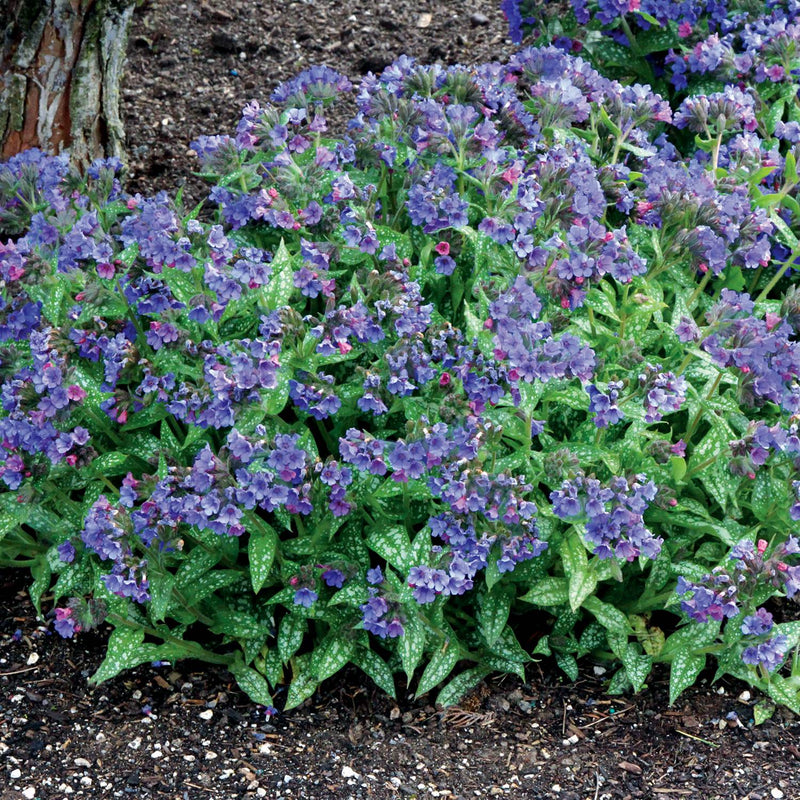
<point x="778" y="275"/>
<point x="715" y="156"/>
<point x="700" y="287"/>
<point x="192" y="649"/>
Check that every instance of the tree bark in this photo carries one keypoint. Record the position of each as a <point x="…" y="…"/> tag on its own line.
<point x="60" y="72"/>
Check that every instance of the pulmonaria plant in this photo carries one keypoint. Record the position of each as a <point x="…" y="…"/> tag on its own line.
<point x="489" y="348"/>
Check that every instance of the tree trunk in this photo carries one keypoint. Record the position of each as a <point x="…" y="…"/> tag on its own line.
<point x="60" y="71"/>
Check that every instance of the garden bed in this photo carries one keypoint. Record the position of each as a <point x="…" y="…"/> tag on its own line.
<point x="186" y="731"/>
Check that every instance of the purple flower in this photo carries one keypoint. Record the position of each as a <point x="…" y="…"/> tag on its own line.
<point x="769" y="654"/>
<point x="305" y="597"/>
<point x="333" y="577"/>
<point x="758" y="623"/>
<point x="66" y="552"/>
<point x="66" y="624"/>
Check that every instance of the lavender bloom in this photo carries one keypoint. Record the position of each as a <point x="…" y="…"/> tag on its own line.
<point x="66" y="624"/>
<point x="382" y="616"/>
<point x="305" y="597"/>
<point x="769" y="654"/>
<point x="604" y="406"/>
<point x="757" y="624"/>
<point x="665" y="392"/>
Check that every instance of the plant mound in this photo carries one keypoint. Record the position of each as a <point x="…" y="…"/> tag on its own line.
<point x="507" y="370"/>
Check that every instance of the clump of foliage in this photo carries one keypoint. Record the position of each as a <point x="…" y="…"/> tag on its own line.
<point x="500" y="353"/>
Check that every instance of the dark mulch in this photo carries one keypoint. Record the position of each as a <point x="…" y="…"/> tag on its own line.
<point x="185" y="731"/>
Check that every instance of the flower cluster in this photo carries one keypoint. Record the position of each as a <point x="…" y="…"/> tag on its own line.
<point x="611" y="514"/>
<point x="729" y="589"/>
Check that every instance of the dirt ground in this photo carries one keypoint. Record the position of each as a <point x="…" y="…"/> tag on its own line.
<point x="184" y="731"/>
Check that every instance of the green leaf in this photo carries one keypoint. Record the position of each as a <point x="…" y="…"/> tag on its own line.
<point x="677" y="466"/>
<point x="412" y="646"/>
<point x="781" y="691"/>
<point x="686" y="666"/>
<point x="600" y="302"/>
<point x="439" y="667"/>
<point x="593" y="637"/>
<point x="291" y="631"/>
<point x="637" y="666"/>
<point x="108" y="465"/>
<point x="160" y="595"/>
<point x="608" y="616"/>
<point x="401" y="241"/>
<point x="768" y="493"/>
<point x="330" y="655"/>
<point x="54" y="302"/>
<point x="261" y="548"/>
<point x="548" y="592"/>
<point x="354" y="594"/>
<point x="303" y="684"/>
<point x="275" y="398"/>
<point x="392" y="545"/>
<point x="493" y="610"/>
<point x="376" y="668"/>
<point x="41" y="582"/>
<point x="790" y="167"/>
<point x="252" y="683"/>
<point x="126" y="649"/>
<point x="762" y="711"/>
<point x="280" y="288"/>
<point x="460" y="685"/>
<point x="542" y="647"/>
<point x="567" y="664"/>
<point x="197" y="563"/>
<point x="205" y="585"/>
<point x="582" y="578"/>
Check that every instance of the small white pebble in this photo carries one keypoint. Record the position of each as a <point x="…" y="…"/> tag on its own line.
<point x="776" y="793"/>
<point x="86" y="781"/>
<point x="265" y="749"/>
<point x="572" y="740"/>
<point x="721" y="690"/>
<point x="261" y="791"/>
<point x="207" y="714"/>
<point x="188" y="757"/>
<point x="32" y="659"/>
<point x="15" y="773"/>
<point x="82" y="762"/>
<point x="210" y="755"/>
<point x="101" y="737"/>
<point x="136" y="743"/>
<point x="29" y="792"/>
<point x="744" y="697"/>
<point x="348" y="772"/>
<point x="137" y="695"/>
<point x="156" y="754"/>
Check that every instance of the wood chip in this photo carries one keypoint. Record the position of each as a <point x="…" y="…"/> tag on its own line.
<point x="635" y="769"/>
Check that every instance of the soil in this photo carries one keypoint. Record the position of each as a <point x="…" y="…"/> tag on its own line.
<point x="184" y="731"/>
<point x="193" y="66"/>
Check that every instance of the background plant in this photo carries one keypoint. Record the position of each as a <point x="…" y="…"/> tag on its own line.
<point x="482" y="380"/>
